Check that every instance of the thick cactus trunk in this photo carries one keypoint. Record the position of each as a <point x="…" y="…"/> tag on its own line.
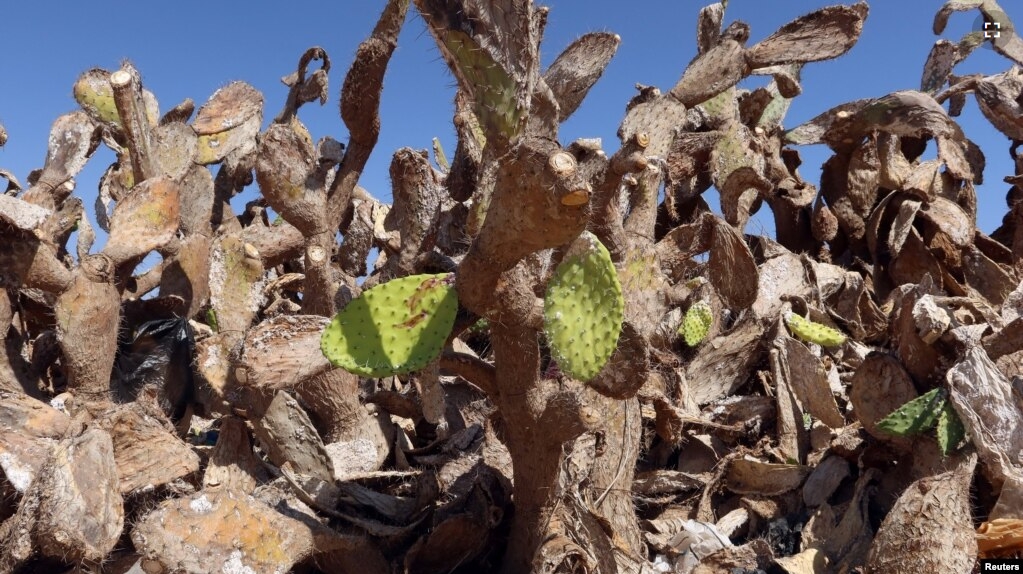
<point x="561" y="478"/>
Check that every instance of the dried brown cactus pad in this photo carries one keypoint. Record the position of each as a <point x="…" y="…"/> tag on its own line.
<point x="929" y="529"/>
<point x="229" y="529"/>
<point x="1000" y="536"/>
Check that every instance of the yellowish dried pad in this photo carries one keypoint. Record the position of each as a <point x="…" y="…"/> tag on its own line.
<point x="92" y="91"/>
<point x="217" y="531"/>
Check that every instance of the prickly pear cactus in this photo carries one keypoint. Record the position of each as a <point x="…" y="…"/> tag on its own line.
<point x="235" y="534"/>
<point x="397" y="327"/>
<point x="493" y="89"/>
<point x="950" y="429"/>
<point x="227" y="122"/>
<point x="696" y="323"/>
<point x="721" y="107"/>
<point x="812" y="332"/>
<point x="774" y="112"/>
<point x="916" y="416"/>
<point x="584" y="309"/>
<point x="93" y="92"/>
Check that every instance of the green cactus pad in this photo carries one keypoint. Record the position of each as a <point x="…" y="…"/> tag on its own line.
<point x="733" y="151"/>
<point x="774" y="112"/>
<point x="481" y="326"/>
<point x="812" y="332"/>
<point x="397" y="327"/>
<point x="584" y="309"/>
<point x="916" y="416"/>
<point x="697" y="323"/>
<point x="950" y="429"/>
<point x="211" y="320"/>
<point x="93" y="92"/>
<point x="721" y="106"/>
<point x="495" y="92"/>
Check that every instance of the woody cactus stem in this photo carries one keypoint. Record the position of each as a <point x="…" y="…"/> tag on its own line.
<point x="360" y="103"/>
<point x="606" y="221"/>
<point x="517" y="359"/>
<point x="87" y="318"/>
<point x="533" y="208"/>
<point x="360" y="110"/>
<point x="540" y="198"/>
<point x="319" y="299"/>
<point x="132" y="110"/>
<point x="417" y="200"/>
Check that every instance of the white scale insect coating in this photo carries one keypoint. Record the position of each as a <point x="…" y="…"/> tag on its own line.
<point x="213" y="358"/>
<point x="218" y="282"/>
<point x="234" y="564"/>
<point x="18" y="474"/>
<point x="59" y="403"/>
<point x="201" y="505"/>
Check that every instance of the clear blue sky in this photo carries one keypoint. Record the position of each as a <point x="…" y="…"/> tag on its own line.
<point x="189" y="49"/>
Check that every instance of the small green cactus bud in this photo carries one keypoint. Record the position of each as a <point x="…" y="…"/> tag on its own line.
<point x="584" y="309"/>
<point x="916" y="416"/>
<point x="695" y="283"/>
<point x="393" y="328"/>
<point x="812" y="332"/>
<point x="697" y="323"/>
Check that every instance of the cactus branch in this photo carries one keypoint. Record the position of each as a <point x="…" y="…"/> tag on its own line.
<point x="305" y="89"/>
<point x="473" y="369"/>
<point x="360" y="104"/>
<point x="132" y="111"/>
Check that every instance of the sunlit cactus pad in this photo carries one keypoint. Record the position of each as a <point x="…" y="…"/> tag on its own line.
<point x="812" y="332"/>
<point x="397" y="327"/>
<point x="494" y="91"/>
<point x="92" y="91"/>
<point x="584" y="309"/>
<point x="697" y="323"/>
<point x="924" y="413"/>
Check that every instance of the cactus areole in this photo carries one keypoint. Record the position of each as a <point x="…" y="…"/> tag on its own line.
<point x="397" y="327"/>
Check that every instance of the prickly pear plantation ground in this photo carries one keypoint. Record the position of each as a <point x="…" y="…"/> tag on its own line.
<point x="563" y="360"/>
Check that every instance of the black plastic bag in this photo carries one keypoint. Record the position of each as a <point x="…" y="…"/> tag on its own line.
<point x="159" y="356"/>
